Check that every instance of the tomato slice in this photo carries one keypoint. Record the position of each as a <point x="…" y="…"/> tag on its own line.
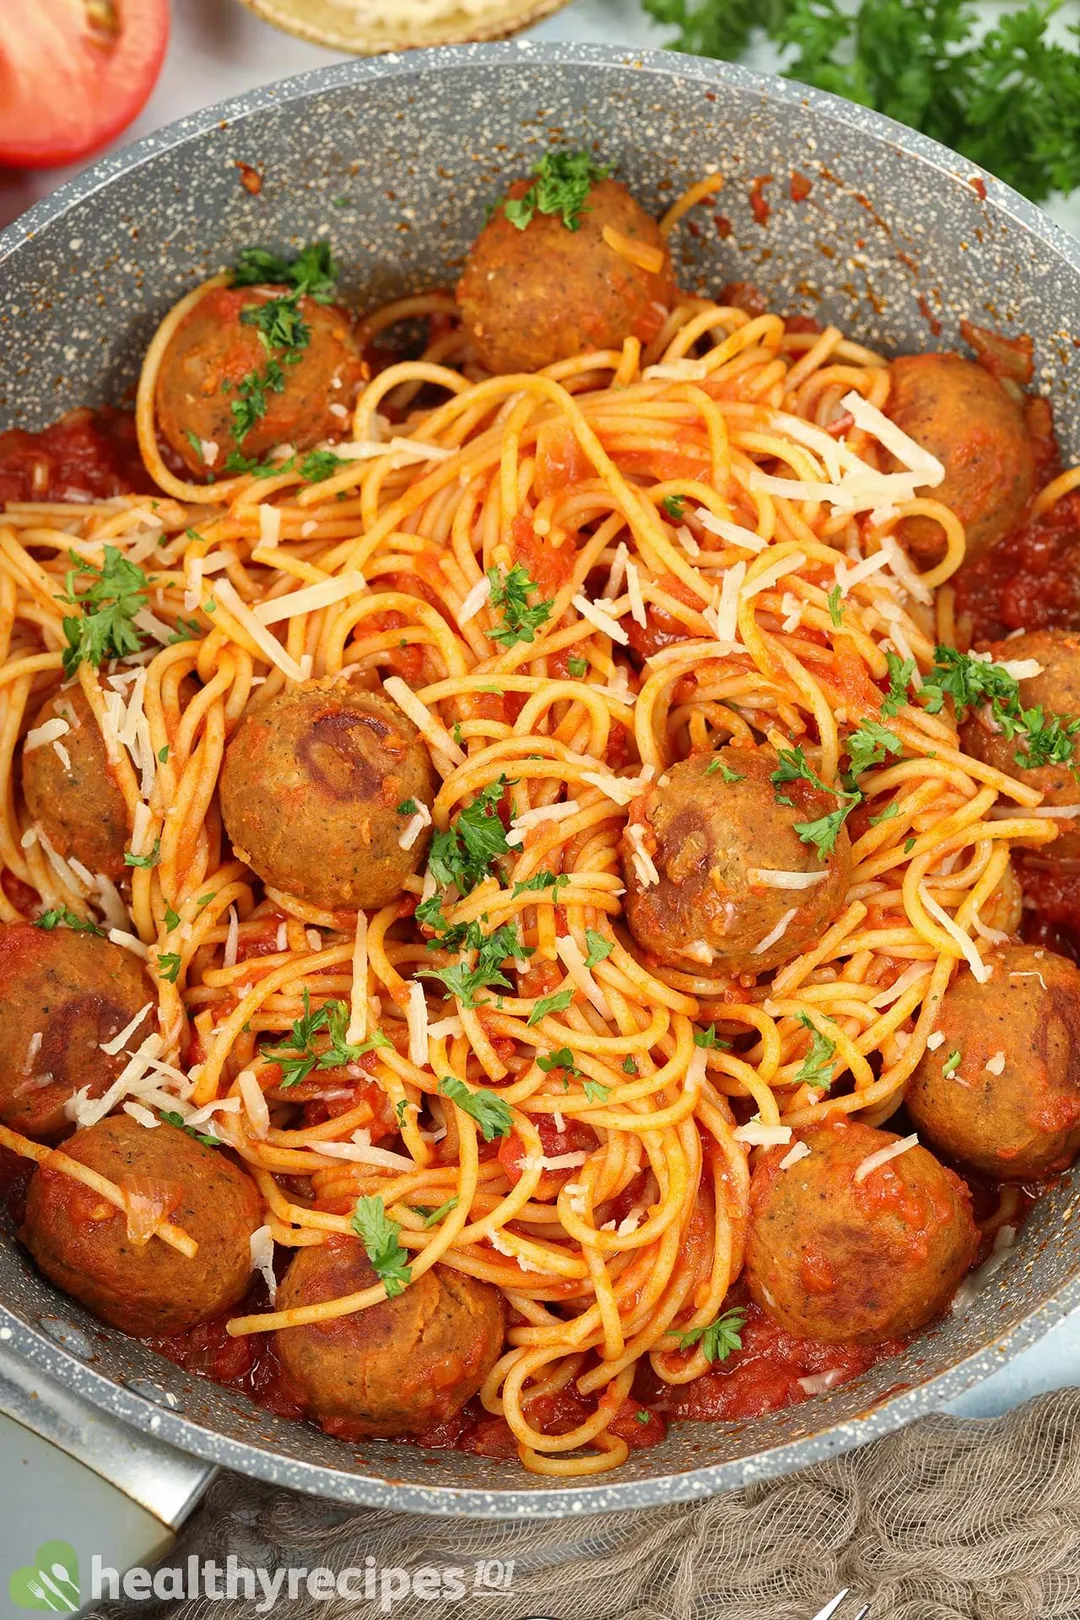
<point x="73" y="74"/>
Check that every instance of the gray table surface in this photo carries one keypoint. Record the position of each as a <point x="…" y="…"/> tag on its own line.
<point x="218" y="50"/>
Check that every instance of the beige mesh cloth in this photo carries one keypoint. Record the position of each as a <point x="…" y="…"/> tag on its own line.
<point x="946" y="1519"/>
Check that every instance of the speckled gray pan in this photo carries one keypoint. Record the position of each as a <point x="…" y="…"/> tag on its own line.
<point x="395" y="160"/>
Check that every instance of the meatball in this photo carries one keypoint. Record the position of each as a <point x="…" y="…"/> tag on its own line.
<point x="1011" y="1106"/>
<point x="76" y="801"/>
<point x="711" y="833"/>
<point x="217" y="346"/>
<point x="399" y="1367"/>
<point x="1056" y="691"/>
<point x="531" y="297"/>
<point x="62" y="995"/>
<point x="963" y="416"/>
<point x="142" y="1285"/>
<point x="317" y="790"/>
<point x="832" y="1258"/>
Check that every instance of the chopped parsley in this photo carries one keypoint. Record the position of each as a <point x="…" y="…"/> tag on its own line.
<point x="145" y="861"/>
<point x="407" y="807"/>
<point x="951" y="1063"/>
<point x="629" y="1065"/>
<point x="320" y="464"/>
<point x="104" y="628"/>
<point x="463" y="854"/>
<point x="825" y="830"/>
<point x="562" y="183"/>
<point x="550" y="1004"/>
<point x="909" y="846"/>
<point x="269" y="467"/>
<point x="492" y="950"/>
<point x="674" y="506"/>
<point x="816" y="1069"/>
<point x="561" y="1058"/>
<point x="596" y="1092"/>
<point x="887" y="814"/>
<point x="1046" y="743"/>
<point x="642" y="1417"/>
<point x="432" y="1217"/>
<point x="795" y="767"/>
<point x="379" y="1235"/>
<point x="869" y="745"/>
<point x="599" y="947"/>
<point x="172" y="918"/>
<point x="312" y="273"/>
<point x="578" y="667"/>
<point x="511" y="592"/>
<point x="163" y="755"/>
<point x="900" y="675"/>
<point x="279" y="324"/>
<point x="836" y="610"/>
<point x="69" y="919"/>
<point x="726" y="772"/>
<point x="172" y="1118"/>
<point x="253" y="398"/>
<point x="296" y="1054"/>
<point x="168" y="966"/>
<point x="708" y="1038"/>
<point x="541" y="880"/>
<point x="490" y="1112"/>
<point x="719" y="1339"/>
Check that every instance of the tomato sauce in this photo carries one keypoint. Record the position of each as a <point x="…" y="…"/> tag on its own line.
<point x="88" y="453"/>
<point x="1030" y="580"/>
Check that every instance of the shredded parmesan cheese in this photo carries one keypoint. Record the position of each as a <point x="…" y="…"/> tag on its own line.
<point x="995" y="1064"/>
<point x="269" y="524"/>
<point x="896" y="441"/>
<point x="118" y="1042"/>
<point x="874" y="1161"/>
<point x="417" y="1018"/>
<point x="723" y="620"/>
<point x="142" y="1115"/>
<point x="733" y="533"/>
<point x="39" y="736"/>
<point x="311" y="598"/>
<point x="975" y="1281"/>
<point x="255" y="1106"/>
<point x="415" y="825"/>
<point x="779" y="879"/>
<point x="262" y="1259"/>
<point x="633" y="591"/>
<point x="474" y="601"/>
<point x="620" y="789"/>
<point x="776" y="933"/>
<point x="267" y="644"/>
<point x="818" y="1383"/>
<point x="423" y="719"/>
<point x="232" y="939"/>
<point x="532" y="818"/>
<point x="570" y="955"/>
<point x="797" y="1151"/>
<point x="643" y="863"/>
<point x="757" y="1135"/>
<point x="601" y="620"/>
<point x="935" y="1040"/>
<point x="975" y="962"/>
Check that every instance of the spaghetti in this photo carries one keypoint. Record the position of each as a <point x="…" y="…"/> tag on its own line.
<point x="709" y="520"/>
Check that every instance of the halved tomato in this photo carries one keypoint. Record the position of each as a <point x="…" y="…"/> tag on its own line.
<point x="73" y="74"/>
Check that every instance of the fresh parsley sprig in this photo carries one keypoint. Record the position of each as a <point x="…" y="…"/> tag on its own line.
<point x="297" y="1054"/>
<point x="313" y="272"/>
<point x="380" y="1235"/>
<point x="719" y="1339"/>
<point x="489" y="1111"/>
<point x="824" y="830"/>
<point x="561" y="186"/>
<point x="104" y="627"/>
<point x="464" y="853"/>
<point x="511" y="593"/>
<point x="63" y="915"/>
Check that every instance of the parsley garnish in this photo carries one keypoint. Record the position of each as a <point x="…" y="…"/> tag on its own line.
<point x="252" y="401"/>
<point x="432" y="1217"/>
<point x="951" y="1063"/>
<point x="708" y="1038"/>
<point x="490" y="1112"/>
<point x="599" y="947"/>
<point x="168" y="966"/>
<point x="887" y="814"/>
<point x="464" y="852"/>
<point x="511" y="593"/>
<point x="407" y="807"/>
<point x="549" y="1004"/>
<point x="629" y="1065"/>
<point x="836" y="611"/>
<point x="492" y="950"/>
<point x="541" y="880"/>
<point x="163" y="754"/>
<point x="563" y="182"/>
<point x="674" y="506"/>
<point x="320" y="464"/>
<point x="297" y="1055"/>
<point x="719" y="1339"/>
<point x="145" y="861"/>
<point x="70" y="919"/>
<point x="900" y="674"/>
<point x="1046" y="743"/>
<point x="721" y="765"/>
<point x="561" y="1058"/>
<point x="578" y="667"/>
<point x="172" y="1118"/>
<point x="279" y="324"/>
<point x="237" y="462"/>
<point x="816" y="1069"/>
<point x="825" y="830"/>
<point x="313" y="272"/>
<point x="596" y="1092"/>
<point x="869" y="745"/>
<point x="105" y="627"/>
<point x="379" y="1235"/>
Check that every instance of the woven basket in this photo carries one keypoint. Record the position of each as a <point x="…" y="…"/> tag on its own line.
<point x="369" y="27"/>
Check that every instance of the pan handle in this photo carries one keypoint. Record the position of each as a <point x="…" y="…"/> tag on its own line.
<point x="167" y="1483"/>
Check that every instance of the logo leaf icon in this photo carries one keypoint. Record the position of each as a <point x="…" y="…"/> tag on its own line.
<point x="50" y="1583"/>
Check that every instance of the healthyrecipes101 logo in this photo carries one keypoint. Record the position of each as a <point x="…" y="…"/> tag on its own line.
<point x="50" y="1582"/>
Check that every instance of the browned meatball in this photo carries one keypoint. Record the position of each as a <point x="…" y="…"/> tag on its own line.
<point x="711" y="832"/>
<point x="1020" y="1118"/>
<point x="397" y="1368"/>
<point x="1056" y="691"/>
<point x="215" y="348"/>
<point x="144" y="1286"/>
<point x="76" y="802"/>
<point x="963" y="416"/>
<point x="316" y="791"/>
<point x="829" y="1257"/>
<point x="61" y="995"/>
<point x="531" y="297"/>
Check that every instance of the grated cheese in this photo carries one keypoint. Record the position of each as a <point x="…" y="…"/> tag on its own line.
<point x="262" y="1259"/>
<point x="755" y="1134"/>
<point x="630" y="1223"/>
<point x="561" y="1161"/>
<point x="281" y="943"/>
<point x="143" y="1115"/>
<point x="621" y="789"/>
<point x="818" y="1383"/>
<point x="474" y="601"/>
<point x="974" y="1283"/>
<point x="423" y="719"/>
<point x="267" y="644"/>
<point x="797" y="1151"/>
<point x="778" y="879"/>
<point x="446" y="1028"/>
<point x="255" y="1106"/>
<point x="676" y="371"/>
<point x="360" y="1151"/>
<point x="193" y="574"/>
<point x="776" y="933"/>
<point x="63" y="756"/>
<point x="643" y="863"/>
<point x="417" y="1018"/>
<point x="120" y="936"/>
<point x="792" y="606"/>
<point x="776" y="571"/>
<point x="903" y="571"/>
<point x="723" y="620"/>
<point x="978" y="967"/>
<point x="687" y="541"/>
<point x="131" y="1081"/>
<point x="617" y="572"/>
<point x="734" y="533"/>
<point x="358" y="1007"/>
<point x="269" y="524"/>
<point x="846" y="576"/>
<point x="935" y="1040"/>
<point x="874" y="1161"/>
<point x="118" y="1042"/>
<point x="39" y="736"/>
<point x="910" y="976"/>
<point x="909" y="454"/>
<point x="311" y="598"/>
<point x="603" y="621"/>
<point x="314" y="939"/>
<point x="633" y="591"/>
<point x="995" y="1064"/>
<point x="415" y="826"/>
<point x="411" y="449"/>
<point x="532" y="818"/>
<point x="570" y="955"/>
<point x="232" y="939"/>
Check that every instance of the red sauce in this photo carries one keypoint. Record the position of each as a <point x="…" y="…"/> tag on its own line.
<point x="1030" y="580"/>
<point x="88" y="453"/>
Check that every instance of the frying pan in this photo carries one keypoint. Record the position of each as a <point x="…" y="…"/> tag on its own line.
<point x="395" y="160"/>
